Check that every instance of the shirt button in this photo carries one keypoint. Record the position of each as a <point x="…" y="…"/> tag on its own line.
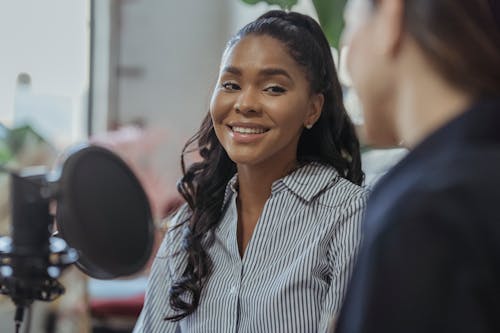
<point x="232" y="291"/>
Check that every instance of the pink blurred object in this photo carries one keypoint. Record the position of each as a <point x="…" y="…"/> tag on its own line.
<point x="139" y="147"/>
<point x="130" y="306"/>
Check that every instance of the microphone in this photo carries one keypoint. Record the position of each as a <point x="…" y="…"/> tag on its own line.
<point x="32" y="260"/>
<point x="103" y="217"/>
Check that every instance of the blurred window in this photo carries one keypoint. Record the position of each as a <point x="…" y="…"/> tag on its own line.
<point x="44" y="66"/>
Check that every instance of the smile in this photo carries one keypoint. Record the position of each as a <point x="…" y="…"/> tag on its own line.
<point x="248" y="130"/>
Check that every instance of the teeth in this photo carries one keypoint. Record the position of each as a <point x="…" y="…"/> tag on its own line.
<point x="246" y="130"/>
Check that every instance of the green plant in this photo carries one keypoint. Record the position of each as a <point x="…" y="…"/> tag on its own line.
<point x="330" y="14"/>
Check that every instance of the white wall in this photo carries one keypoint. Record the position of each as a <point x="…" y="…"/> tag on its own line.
<point x="169" y="56"/>
<point x="242" y="13"/>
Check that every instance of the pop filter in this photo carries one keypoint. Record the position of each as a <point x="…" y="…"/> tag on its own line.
<point x="103" y="213"/>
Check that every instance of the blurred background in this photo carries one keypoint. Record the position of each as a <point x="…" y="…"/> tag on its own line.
<point x="135" y="76"/>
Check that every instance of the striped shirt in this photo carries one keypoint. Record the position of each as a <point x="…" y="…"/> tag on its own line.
<point x="294" y="271"/>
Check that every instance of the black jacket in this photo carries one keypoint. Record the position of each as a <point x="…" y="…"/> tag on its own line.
<point x="430" y="260"/>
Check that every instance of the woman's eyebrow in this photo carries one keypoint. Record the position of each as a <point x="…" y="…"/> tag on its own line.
<point x="232" y="70"/>
<point x="266" y="72"/>
<point x="275" y="71"/>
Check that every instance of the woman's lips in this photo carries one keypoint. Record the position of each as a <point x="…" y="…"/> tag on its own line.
<point x="247" y="133"/>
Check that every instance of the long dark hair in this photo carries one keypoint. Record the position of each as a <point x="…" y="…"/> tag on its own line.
<point x="461" y="40"/>
<point x="332" y="140"/>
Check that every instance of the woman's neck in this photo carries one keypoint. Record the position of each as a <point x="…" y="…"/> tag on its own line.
<point x="425" y="102"/>
<point x="255" y="182"/>
<point x="254" y="188"/>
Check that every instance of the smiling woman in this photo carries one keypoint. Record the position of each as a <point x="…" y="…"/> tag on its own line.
<point x="271" y="226"/>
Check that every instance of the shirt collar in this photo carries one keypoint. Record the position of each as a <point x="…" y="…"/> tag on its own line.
<point x="306" y="181"/>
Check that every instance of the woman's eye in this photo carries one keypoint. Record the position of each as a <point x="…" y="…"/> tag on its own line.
<point x="275" y="90"/>
<point x="230" y="86"/>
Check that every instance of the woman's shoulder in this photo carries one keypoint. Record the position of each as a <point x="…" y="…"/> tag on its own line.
<point x="179" y="217"/>
<point x="338" y="182"/>
<point x="176" y="224"/>
<point x="321" y="183"/>
<point x="341" y="191"/>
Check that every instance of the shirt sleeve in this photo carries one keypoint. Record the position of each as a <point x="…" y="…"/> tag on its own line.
<point x="342" y="253"/>
<point x="167" y="266"/>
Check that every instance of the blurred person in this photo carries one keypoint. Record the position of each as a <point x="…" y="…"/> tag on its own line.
<point x="267" y="238"/>
<point x="428" y="75"/>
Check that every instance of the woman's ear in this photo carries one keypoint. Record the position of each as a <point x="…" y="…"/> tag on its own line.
<point x="316" y="106"/>
<point x="390" y="25"/>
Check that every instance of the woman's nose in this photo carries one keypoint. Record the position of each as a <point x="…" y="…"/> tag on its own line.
<point x="248" y="102"/>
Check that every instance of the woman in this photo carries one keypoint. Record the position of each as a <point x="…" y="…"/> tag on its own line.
<point x="267" y="238"/>
<point x="428" y="75"/>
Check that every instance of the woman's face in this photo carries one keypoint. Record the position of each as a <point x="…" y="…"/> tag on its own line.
<point x="261" y="103"/>
<point x="370" y="69"/>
